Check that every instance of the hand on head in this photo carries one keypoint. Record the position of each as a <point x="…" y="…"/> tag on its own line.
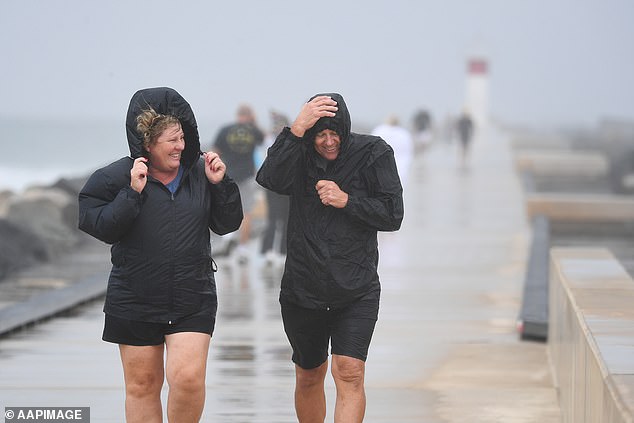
<point x="311" y="112"/>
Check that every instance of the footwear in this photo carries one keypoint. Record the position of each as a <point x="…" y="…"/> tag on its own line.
<point x="243" y="254"/>
<point x="269" y="258"/>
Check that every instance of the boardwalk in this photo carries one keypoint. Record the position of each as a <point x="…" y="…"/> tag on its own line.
<point x="445" y="348"/>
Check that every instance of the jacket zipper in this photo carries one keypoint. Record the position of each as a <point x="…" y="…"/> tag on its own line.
<point x="172" y="251"/>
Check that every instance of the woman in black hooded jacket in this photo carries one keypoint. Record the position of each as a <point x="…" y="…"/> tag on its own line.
<point x="157" y="208"/>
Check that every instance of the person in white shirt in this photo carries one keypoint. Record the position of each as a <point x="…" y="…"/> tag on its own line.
<point x="401" y="142"/>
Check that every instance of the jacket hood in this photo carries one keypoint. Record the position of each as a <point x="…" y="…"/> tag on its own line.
<point x="340" y="123"/>
<point x="165" y="101"/>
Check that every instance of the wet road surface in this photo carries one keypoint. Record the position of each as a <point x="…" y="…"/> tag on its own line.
<point x="445" y="348"/>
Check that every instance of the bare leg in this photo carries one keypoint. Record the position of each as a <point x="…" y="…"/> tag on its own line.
<point x="186" y="370"/>
<point x="310" y="398"/>
<point x="245" y="229"/>
<point x="349" y="375"/>
<point x="143" y="374"/>
<point x="245" y="234"/>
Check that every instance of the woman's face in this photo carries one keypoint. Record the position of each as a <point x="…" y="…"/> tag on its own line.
<point x="165" y="152"/>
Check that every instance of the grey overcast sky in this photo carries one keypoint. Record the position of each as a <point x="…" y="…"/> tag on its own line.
<point x="552" y="62"/>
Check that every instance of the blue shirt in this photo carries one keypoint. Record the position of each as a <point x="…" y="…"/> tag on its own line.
<point x="173" y="186"/>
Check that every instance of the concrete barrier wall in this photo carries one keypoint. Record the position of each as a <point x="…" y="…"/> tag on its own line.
<point x="591" y="335"/>
<point x="562" y="162"/>
<point x="581" y="207"/>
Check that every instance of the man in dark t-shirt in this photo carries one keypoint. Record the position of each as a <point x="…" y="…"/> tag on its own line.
<point x="236" y="144"/>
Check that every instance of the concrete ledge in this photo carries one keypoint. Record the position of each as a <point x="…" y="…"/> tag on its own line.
<point x="581" y="207"/>
<point x="591" y="335"/>
<point x="48" y="304"/>
<point x="564" y="162"/>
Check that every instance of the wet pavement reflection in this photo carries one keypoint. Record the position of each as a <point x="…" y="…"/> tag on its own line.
<point x="250" y="375"/>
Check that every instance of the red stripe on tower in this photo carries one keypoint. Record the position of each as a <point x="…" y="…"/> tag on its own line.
<point x="477" y="66"/>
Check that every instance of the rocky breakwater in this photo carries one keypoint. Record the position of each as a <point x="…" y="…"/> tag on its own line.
<point x="38" y="225"/>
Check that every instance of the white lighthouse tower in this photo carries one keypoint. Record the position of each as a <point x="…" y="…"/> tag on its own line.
<point x="477" y="90"/>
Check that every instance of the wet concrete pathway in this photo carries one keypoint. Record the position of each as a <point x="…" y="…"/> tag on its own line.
<point x="445" y="348"/>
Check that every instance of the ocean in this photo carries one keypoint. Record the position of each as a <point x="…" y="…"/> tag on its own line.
<point x="40" y="152"/>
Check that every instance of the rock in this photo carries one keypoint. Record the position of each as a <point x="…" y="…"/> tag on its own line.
<point x="48" y="213"/>
<point x="5" y="196"/>
<point x="39" y="224"/>
<point x="71" y="185"/>
<point x="19" y="248"/>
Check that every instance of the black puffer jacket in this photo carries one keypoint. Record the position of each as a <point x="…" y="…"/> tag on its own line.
<point x="332" y="254"/>
<point x="161" y="255"/>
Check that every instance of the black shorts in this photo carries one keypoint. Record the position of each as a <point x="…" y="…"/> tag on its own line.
<point x="133" y="332"/>
<point x="349" y="331"/>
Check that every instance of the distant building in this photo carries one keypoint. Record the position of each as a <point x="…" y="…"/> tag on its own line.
<point x="477" y="90"/>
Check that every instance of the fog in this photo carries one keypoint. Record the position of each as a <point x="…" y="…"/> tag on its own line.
<point x="551" y="63"/>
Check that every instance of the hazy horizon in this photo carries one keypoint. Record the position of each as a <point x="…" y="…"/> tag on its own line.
<point x="552" y="63"/>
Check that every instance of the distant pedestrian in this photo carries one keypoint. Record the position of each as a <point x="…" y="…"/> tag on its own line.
<point x="236" y="144"/>
<point x="401" y="142"/>
<point x="464" y="126"/>
<point x="157" y="208"/>
<point x="273" y="245"/>
<point x="422" y="131"/>
<point x="343" y="188"/>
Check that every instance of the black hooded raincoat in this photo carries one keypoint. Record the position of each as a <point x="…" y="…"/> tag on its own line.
<point x="332" y="254"/>
<point x="161" y="253"/>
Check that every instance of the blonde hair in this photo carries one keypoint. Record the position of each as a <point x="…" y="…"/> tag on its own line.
<point x="150" y="124"/>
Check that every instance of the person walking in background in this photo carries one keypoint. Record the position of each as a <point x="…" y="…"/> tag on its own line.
<point x="464" y="126"/>
<point x="401" y="142"/>
<point x="421" y="122"/>
<point x="156" y="208"/>
<point x="273" y="245"/>
<point x="236" y="144"/>
<point x="343" y="188"/>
